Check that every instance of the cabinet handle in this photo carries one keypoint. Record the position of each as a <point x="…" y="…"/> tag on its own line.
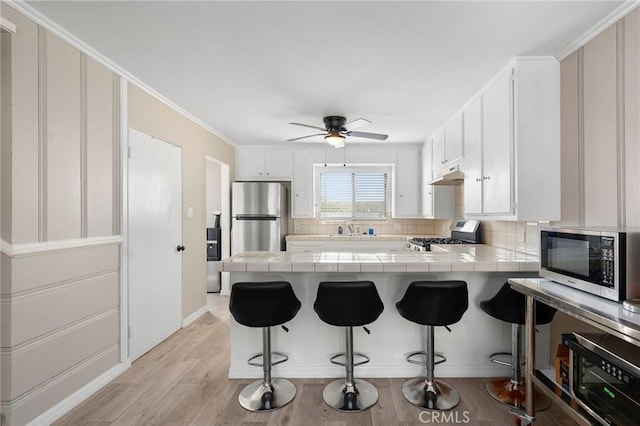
<point x="442" y="162"/>
<point x="428" y="193"/>
<point x="296" y="195"/>
<point x="486" y="177"/>
<point x="267" y="173"/>
<point x="478" y="179"/>
<point x="260" y="173"/>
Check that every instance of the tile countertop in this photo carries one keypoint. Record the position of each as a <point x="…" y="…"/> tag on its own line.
<point x="442" y="258"/>
<point x="337" y="237"/>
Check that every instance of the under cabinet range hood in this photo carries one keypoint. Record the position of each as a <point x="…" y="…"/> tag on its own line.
<point x="448" y="176"/>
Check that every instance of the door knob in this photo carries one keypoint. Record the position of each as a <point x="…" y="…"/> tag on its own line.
<point x="180" y="248"/>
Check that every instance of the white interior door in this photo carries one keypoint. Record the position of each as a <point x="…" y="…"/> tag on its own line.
<point x="155" y="232"/>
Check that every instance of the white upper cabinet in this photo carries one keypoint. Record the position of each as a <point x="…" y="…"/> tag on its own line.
<point x="497" y="146"/>
<point x="438" y="202"/>
<point x="472" y="163"/>
<point x="407" y="183"/>
<point x="271" y="163"/>
<point x="453" y="137"/>
<point x="437" y="149"/>
<point x="512" y="143"/>
<point x="448" y="143"/>
<point x="302" y="184"/>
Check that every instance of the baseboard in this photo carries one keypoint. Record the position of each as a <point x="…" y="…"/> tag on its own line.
<point x="194" y="316"/>
<point x="248" y="372"/>
<point x="79" y="396"/>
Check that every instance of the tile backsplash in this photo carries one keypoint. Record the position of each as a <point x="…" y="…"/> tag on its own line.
<point x="389" y="226"/>
<point x="519" y="236"/>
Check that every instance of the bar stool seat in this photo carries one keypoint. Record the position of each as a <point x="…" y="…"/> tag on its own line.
<point x="509" y="306"/>
<point x="432" y="303"/>
<point x="264" y="305"/>
<point x="349" y="304"/>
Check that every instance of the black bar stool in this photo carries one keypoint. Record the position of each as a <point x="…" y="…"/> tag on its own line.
<point x="349" y="304"/>
<point x="509" y="305"/>
<point x="432" y="303"/>
<point x="265" y="304"/>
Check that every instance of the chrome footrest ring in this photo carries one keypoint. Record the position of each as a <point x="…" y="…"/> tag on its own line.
<point x="365" y="359"/>
<point x="411" y="358"/>
<point x="279" y="359"/>
<point x="496" y="360"/>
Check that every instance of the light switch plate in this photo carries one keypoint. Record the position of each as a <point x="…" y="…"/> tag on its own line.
<point x="189" y="211"/>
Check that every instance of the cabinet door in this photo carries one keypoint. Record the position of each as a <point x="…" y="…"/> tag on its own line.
<point x="600" y="130"/>
<point x="250" y="164"/>
<point x="427" y="190"/>
<point x="301" y="184"/>
<point x="497" y="143"/>
<point x="453" y="139"/>
<point x="277" y="164"/>
<point x="438" y="150"/>
<point x="407" y="183"/>
<point x="472" y="163"/>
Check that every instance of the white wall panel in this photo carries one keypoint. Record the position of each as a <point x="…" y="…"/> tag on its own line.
<point x="100" y="139"/>
<point x="632" y="117"/>
<point x="600" y="130"/>
<point x="33" y="271"/>
<point x="38" y="362"/>
<point x="62" y="140"/>
<point x="36" y="314"/>
<point x="24" y="75"/>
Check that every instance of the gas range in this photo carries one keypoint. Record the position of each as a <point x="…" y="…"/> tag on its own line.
<point x="462" y="232"/>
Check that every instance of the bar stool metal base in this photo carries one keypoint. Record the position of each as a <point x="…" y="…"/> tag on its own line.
<point x="361" y="397"/>
<point x="438" y="397"/>
<point x="512" y="394"/>
<point x="258" y="396"/>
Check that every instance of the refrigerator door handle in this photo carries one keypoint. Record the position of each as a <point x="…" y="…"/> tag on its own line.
<point x="255" y="217"/>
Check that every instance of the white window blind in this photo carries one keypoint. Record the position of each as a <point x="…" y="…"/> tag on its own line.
<point x="354" y="195"/>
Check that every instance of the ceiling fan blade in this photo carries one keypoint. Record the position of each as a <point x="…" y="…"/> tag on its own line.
<point x="356" y="124"/>
<point x="304" y="137"/>
<point x="378" y="136"/>
<point x="310" y="126"/>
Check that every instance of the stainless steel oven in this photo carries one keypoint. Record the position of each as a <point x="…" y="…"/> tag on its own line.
<point x="604" y="262"/>
<point x="604" y="377"/>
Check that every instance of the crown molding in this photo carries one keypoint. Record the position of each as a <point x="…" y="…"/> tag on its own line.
<point x="51" y="26"/>
<point x="599" y="27"/>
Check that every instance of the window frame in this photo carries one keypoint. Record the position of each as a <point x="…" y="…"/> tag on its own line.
<point x="352" y="168"/>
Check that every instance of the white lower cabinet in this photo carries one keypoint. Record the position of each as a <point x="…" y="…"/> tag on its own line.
<point x="512" y="144"/>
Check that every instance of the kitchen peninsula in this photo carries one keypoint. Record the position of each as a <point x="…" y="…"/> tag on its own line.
<point x="309" y="342"/>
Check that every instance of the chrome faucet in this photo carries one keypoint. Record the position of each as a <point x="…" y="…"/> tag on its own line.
<point x="350" y="226"/>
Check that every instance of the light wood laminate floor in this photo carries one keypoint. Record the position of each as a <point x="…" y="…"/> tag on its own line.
<point x="183" y="381"/>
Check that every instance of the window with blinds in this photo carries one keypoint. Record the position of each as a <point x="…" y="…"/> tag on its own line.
<point x="353" y="194"/>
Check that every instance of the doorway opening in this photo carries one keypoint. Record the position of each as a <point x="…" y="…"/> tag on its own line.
<point x="218" y="203"/>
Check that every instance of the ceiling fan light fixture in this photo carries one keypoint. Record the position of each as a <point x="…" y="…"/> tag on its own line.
<point x="335" y="139"/>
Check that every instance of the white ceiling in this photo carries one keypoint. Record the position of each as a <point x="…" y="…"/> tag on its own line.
<point x="246" y="69"/>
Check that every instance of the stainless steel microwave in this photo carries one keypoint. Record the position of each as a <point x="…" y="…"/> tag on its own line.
<point x="604" y="261"/>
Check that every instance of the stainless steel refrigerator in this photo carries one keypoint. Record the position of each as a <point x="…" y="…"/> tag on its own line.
<point x="259" y="213"/>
